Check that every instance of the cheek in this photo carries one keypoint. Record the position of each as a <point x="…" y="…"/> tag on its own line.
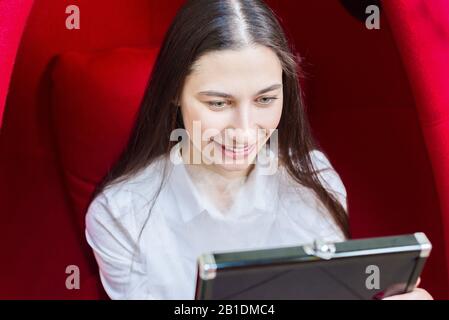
<point x="211" y="122"/>
<point x="269" y="118"/>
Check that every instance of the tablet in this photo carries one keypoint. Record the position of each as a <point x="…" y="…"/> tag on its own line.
<point x="370" y="268"/>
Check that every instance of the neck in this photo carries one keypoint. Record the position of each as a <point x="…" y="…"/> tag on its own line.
<point x="220" y="185"/>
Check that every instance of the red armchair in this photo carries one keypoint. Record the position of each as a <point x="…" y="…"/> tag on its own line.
<point x="13" y="15"/>
<point x="73" y="95"/>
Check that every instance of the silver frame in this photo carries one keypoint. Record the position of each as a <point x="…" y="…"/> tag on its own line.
<point x="207" y="266"/>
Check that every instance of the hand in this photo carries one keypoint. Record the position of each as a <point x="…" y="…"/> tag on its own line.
<point x="415" y="294"/>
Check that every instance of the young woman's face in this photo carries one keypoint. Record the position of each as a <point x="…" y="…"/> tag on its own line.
<point x="230" y="105"/>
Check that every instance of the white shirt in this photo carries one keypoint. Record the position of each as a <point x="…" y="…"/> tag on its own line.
<point x="269" y="211"/>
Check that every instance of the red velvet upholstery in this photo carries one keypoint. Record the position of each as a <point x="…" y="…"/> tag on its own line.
<point x="40" y="235"/>
<point x="362" y="109"/>
<point x="13" y="15"/>
<point x="421" y="30"/>
<point x="95" y="99"/>
<point x="358" y="96"/>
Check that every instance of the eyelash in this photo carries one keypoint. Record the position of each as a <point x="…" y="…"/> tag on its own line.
<point x="213" y="103"/>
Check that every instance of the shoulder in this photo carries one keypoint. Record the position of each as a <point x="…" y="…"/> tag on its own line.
<point x="320" y="161"/>
<point x="119" y="199"/>
<point x="326" y="173"/>
<point x="113" y="225"/>
<point x="328" y="176"/>
<point x="141" y="183"/>
<point x="304" y="208"/>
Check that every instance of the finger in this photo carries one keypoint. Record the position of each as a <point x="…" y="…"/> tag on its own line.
<point x="405" y="296"/>
<point x="416" y="294"/>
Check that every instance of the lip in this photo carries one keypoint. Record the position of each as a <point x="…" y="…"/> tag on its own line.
<point x="234" y="152"/>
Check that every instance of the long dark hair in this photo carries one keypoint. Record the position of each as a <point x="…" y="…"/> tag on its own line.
<point x="199" y="27"/>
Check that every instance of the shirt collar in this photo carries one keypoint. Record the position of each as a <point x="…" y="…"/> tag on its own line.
<point x="260" y="189"/>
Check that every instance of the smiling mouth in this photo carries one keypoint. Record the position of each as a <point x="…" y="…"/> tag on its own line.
<point x="234" y="151"/>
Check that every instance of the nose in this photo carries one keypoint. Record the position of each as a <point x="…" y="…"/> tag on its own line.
<point x="243" y="129"/>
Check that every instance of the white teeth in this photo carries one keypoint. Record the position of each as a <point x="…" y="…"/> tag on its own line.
<point x="236" y="150"/>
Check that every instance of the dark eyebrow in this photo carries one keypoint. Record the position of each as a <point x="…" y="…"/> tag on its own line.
<point x="226" y="95"/>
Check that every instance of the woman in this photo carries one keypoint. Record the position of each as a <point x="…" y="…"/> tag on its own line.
<point x="246" y="174"/>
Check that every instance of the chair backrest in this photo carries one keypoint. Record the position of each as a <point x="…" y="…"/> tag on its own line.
<point x="43" y="88"/>
<point x="360" y="103"/>
<point x="13" y="15"/>
<point x="95" y="98"/>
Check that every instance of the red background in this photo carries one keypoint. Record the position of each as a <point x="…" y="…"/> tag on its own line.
<point x="377" y="101"/>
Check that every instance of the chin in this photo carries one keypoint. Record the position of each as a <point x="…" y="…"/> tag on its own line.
<point x="235" y="165"/>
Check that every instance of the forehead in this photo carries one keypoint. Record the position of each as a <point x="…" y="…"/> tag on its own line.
<point x="253" y="67"/>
